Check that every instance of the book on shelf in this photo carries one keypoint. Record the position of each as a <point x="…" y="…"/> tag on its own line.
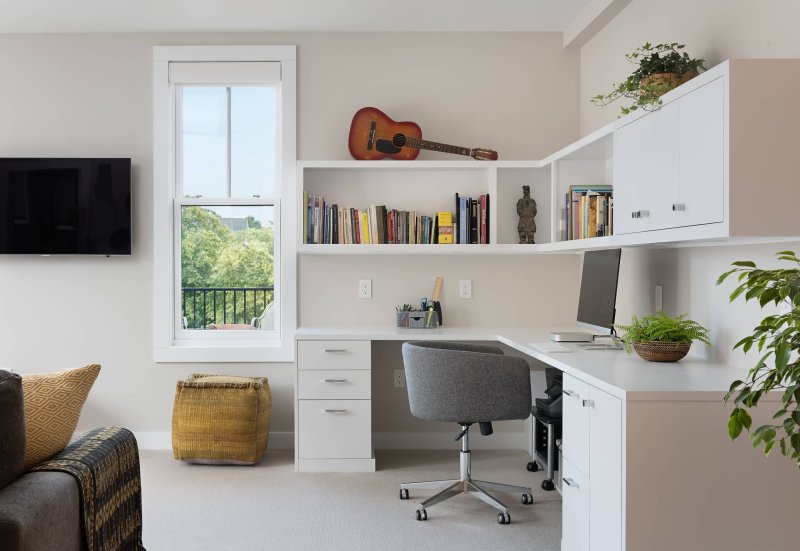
<point x="588" y="212"/>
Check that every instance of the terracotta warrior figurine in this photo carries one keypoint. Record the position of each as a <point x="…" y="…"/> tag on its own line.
<point x="526" y="209"/>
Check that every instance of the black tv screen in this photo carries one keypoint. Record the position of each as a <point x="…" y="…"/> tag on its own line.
<point x="65" y="206"/>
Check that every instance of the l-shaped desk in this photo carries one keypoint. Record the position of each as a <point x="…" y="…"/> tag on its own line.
<point x="647" y="462"/>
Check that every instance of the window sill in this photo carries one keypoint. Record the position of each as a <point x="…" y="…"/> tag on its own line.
<point x="225" y="353"/>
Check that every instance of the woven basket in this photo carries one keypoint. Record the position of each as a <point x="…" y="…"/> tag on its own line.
<point x="659" y="351"/>
<point x="666" y="81"/>
<point x="221" y="419"/>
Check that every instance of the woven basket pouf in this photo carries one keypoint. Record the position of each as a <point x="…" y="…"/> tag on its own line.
<point x="220" y="419"/>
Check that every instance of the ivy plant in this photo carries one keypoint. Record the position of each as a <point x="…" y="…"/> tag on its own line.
<point x="664" y="328"/>
<point x="777" y="340"/>
<point x="650" y="60"/>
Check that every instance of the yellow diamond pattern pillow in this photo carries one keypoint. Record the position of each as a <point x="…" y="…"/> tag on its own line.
<point x="53" y="404"/>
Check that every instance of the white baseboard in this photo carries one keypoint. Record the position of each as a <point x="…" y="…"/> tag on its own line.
<point x="162" y="440"/>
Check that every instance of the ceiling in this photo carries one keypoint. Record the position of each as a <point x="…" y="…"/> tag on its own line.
<point x="48" y="16"/>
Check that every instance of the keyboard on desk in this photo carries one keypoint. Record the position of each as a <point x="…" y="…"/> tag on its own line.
<point x="549" y="347"/>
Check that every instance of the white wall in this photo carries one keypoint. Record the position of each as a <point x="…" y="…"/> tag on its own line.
<point x="90" y="95"/>
<point x="714" y="30"/>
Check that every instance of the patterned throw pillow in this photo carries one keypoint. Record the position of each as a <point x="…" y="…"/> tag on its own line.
<point x="53" y="404"/>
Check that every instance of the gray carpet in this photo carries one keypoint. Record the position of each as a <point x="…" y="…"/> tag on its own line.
<point x="269" y="506"/>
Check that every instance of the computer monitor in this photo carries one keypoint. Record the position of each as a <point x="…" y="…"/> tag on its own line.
<point x="598" y="297"/>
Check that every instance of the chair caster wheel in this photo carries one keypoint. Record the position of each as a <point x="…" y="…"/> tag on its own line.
<point x="503" y="518"/>
<point x="422" y="514"/>
<point x="532" y="466"/>
<point x="403" y="493"/>
<point x="527" y="499"/>
<point x="548" y="485"/>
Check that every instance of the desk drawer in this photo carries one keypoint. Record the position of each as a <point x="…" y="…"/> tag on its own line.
<point x="575" y="516"/>
<point x="575" y="440"/>
<point x="335" y="429"/>
<point x="333" y="355"/>
<point x="328" y="384"/>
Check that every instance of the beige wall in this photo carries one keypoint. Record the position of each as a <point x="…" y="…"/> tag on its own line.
<point x="91" y="95"/>
<point x="714" y="30"/>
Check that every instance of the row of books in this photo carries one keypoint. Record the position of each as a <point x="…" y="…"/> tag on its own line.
<point x="472" y="220"/>
<point x="588" y="212"/>
<point x="325" y="223"/>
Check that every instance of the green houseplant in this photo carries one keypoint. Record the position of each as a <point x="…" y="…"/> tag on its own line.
<point x="777" y="339"/>
<point x="660" y="337"/>
<point x="659" y="69"/>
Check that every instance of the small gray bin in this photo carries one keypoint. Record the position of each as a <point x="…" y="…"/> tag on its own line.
<point x="420" y="319"/>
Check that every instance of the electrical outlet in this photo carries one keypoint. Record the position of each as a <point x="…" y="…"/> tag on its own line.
<point x="364" y="288"/>
<point x="465" y="288"/>
<point x="399" y="378"/>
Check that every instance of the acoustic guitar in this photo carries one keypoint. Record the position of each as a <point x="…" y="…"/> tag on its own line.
<point x="373" y="135"/>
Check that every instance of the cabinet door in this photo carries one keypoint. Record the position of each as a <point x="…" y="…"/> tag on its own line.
<point x="575" y="442"/>
<point x="575" y="494"/>
<point x="605" y="471"/>
<point x="646" y="171"/>
<point x="334" y="429"/>
<point x="701" y="171"/>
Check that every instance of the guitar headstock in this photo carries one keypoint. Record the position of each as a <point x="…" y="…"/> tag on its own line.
<point x="481" y="154"/>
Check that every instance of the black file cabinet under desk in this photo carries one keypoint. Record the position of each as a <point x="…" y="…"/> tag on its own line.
<point x="546" y="430"/>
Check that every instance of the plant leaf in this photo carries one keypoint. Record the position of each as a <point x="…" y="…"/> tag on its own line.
<point x="734" y="427"/>
<point x="744" y="263"/>
<point x="744" y="418"/>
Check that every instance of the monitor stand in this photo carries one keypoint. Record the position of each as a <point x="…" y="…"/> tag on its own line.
<point x="571" y="336"/>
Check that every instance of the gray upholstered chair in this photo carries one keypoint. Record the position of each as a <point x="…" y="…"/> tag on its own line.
<point x="465" y="384"/>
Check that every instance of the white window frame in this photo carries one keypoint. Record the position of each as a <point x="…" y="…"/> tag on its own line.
<point x="170" y="343"/>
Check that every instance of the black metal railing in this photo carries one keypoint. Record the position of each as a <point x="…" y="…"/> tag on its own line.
<point x="202" y="306"/>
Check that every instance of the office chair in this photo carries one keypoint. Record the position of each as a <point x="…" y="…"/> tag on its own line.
<point x="466" y="384"/>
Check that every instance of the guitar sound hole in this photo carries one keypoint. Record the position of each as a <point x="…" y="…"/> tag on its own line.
<point x="399" y="140"/>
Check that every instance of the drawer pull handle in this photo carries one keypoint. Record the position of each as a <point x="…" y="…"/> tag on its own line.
<point x="335" y="410"/>
<point x="678" y="207"/>
<point x="570" y="482"/>
<point x="571" y="393"/>
<point x="335" y="350"/>
<point x="588" y="403"/>
<point x="335" y="380"/>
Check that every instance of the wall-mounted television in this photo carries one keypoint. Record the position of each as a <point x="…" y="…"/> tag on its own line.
<point x="65" y="206"/>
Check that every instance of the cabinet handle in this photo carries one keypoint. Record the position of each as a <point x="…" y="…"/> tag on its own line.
<point x="571" y="393"/>
<point x="635" y="214"/>
<point x="335" y="380"/>
<point x="570" y="482"/>
<point x="335" y="410"/>
<point x="335" y="350"/>
<point x="678" y="207"/>
<point x="644" y="214"/>
<point x="588" y="403"/>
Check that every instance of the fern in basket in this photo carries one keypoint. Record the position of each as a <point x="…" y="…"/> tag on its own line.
<point x="662" y="327"/>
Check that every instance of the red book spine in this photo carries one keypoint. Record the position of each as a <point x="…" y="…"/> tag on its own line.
<point x="483" y="219"/>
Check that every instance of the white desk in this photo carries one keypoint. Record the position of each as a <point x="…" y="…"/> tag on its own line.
<point x="645" y="444"/>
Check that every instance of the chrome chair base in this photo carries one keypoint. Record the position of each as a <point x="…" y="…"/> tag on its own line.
<point x="465" y="484"/>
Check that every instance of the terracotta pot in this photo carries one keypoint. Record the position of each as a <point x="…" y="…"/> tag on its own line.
<point x="665" y="81"/>
<point x="660" y="351"/>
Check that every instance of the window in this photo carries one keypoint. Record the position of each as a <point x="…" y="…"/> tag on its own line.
<point x="224" y="189"/>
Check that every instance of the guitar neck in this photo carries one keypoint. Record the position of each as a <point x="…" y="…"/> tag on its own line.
<point x="436" y="146"/>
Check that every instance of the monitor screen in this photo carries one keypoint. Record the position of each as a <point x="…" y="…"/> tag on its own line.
<point x="599" y="289"/>
<point x="65" y="206"/>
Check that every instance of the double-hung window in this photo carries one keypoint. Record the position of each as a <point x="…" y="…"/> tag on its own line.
<point x="224" y="150"/>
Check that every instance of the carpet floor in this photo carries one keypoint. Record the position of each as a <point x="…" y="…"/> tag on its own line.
<point x="269" y="506"/>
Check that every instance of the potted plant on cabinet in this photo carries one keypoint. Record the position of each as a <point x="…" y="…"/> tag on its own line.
<point x="662" y="338"/>
<point x="660" y="68"/>
<point x="777" y="339"/>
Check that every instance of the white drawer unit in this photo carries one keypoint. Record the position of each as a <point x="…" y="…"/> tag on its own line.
<point x="592" y="453"/>
<point x="333" y="355"/>
<point x="333" y="406"/>
<point x="335" y="429"/>
<point x="328" y="384"/>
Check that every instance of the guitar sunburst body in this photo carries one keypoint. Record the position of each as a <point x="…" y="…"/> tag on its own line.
<point x="373" y="136"/>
